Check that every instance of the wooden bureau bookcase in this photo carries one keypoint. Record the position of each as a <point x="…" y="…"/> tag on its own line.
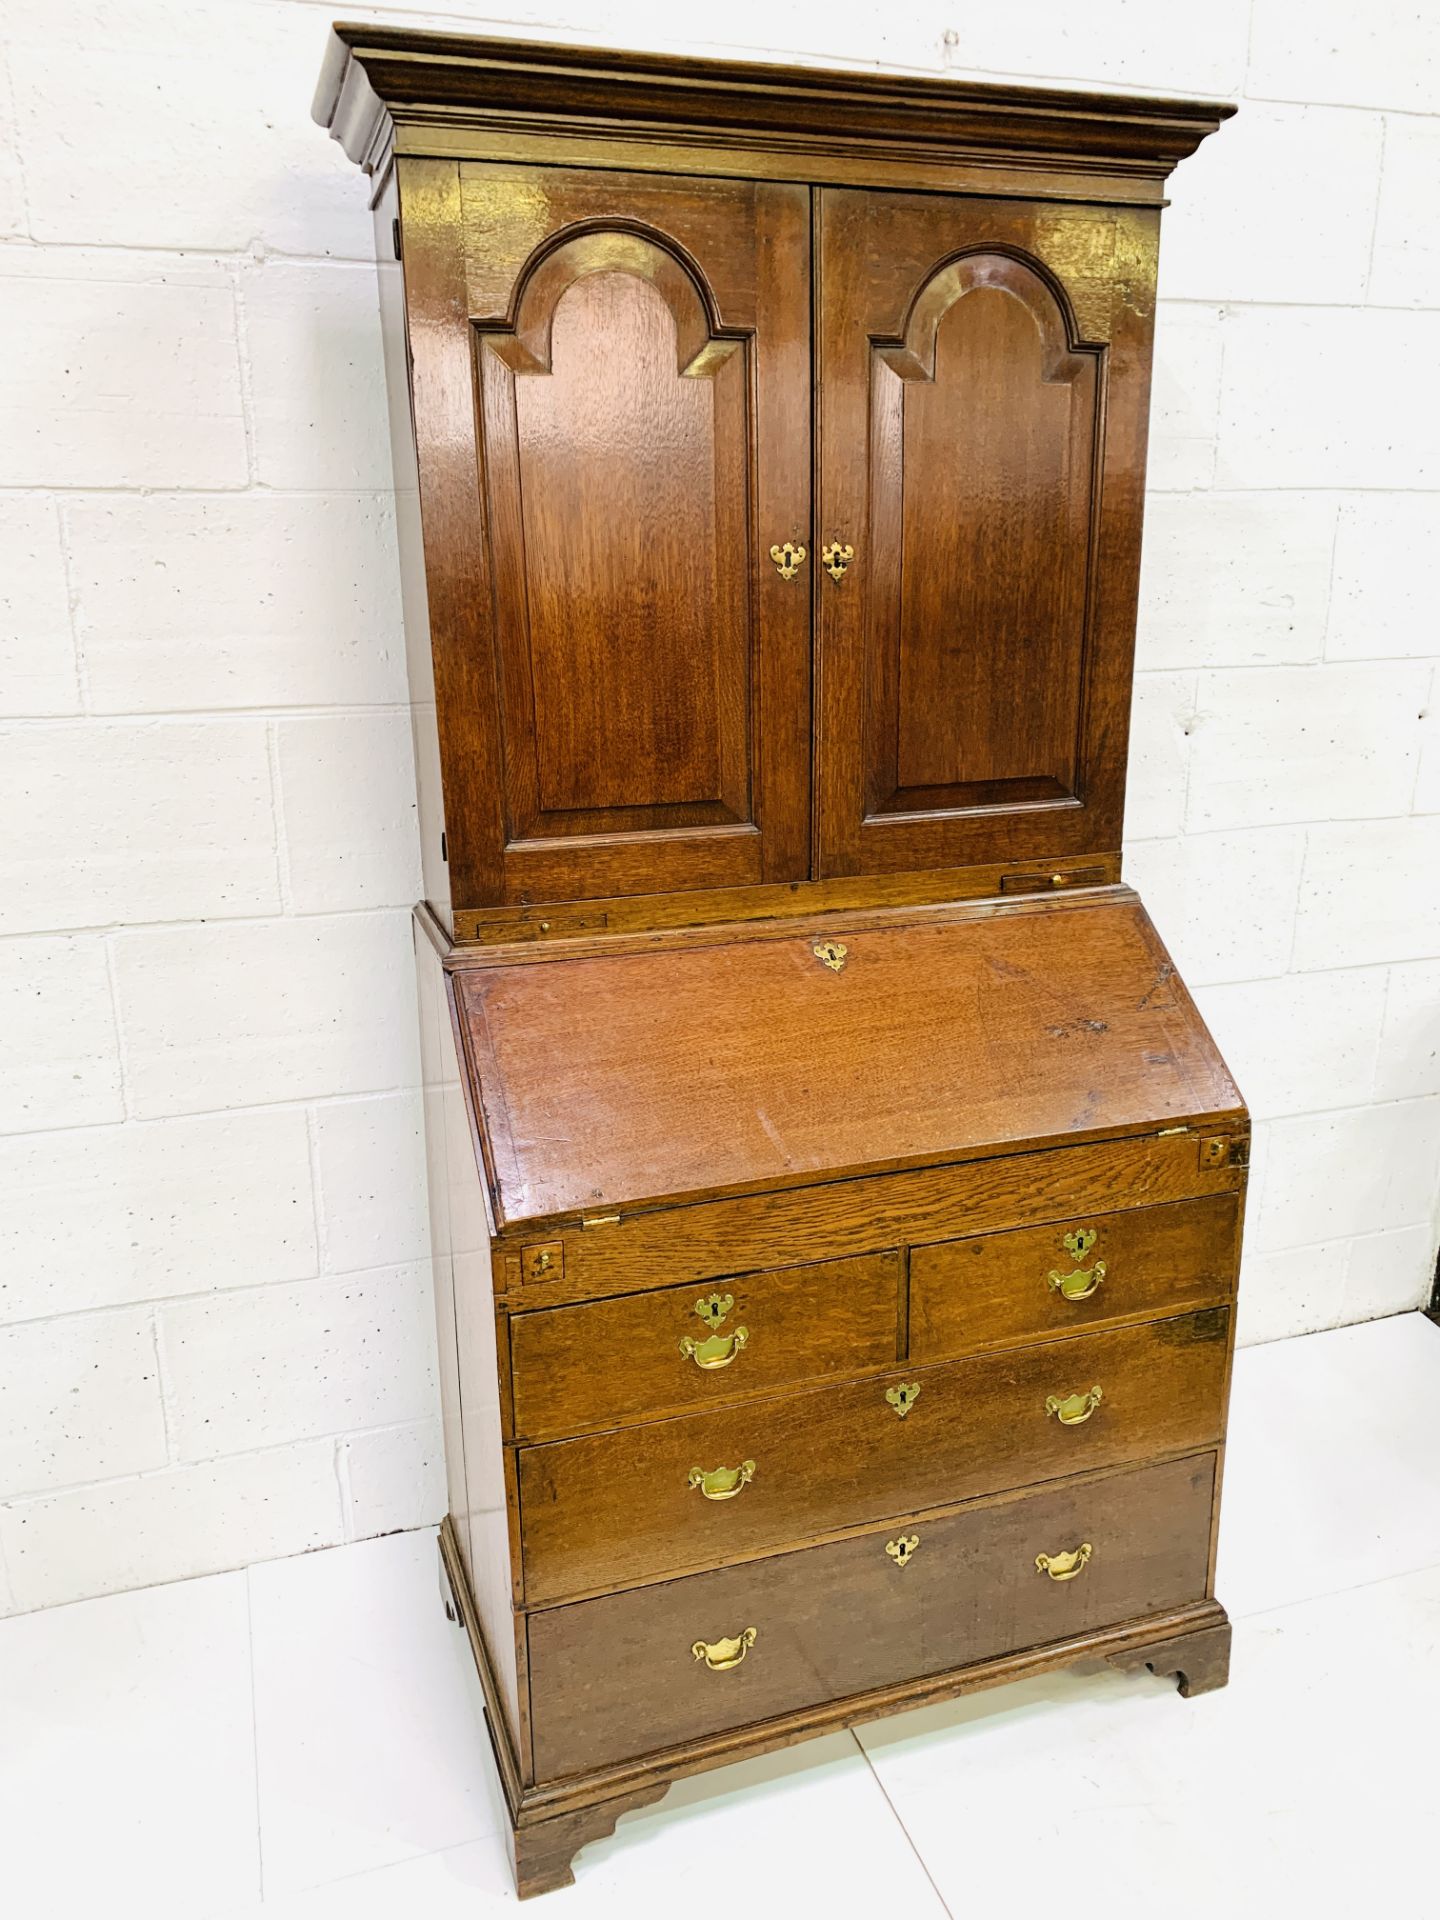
<point x="836" y="1196"/>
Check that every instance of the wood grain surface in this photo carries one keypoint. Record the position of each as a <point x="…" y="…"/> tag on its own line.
<point x="984" y="377"/>
<point x="995" y="1290"/>
<point x="702" y="1241"/>
<point x="610" y="1082"/>
<point x="611" y="407"/>
<point x="573" y="1368"/>
<point x="617" y="1677"/>
<point x="616" y="1508"/>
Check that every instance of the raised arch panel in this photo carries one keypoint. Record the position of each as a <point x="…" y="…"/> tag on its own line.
<point x="630" y="687"/>
<point x="985" y="478"/>
<point x="636" y="646"/>
<point x="982" y="392"/>
<point x="623" y="651"/>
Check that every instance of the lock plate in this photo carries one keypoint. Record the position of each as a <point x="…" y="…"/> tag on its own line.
<point x="1225" y="1150"/>
<point x="543" y="1260"/>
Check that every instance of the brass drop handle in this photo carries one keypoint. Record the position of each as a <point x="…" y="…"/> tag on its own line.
<point x="721" y="1655"/>
<point x="1082" y="1281"/>
<point x="1078" y="1285"/>
<point x="722" y="1483"/>
<point x="835" y="559"/>
<point x="788" y="559"/>
<point x="1065" y="1566"/>
<point x="718" y="1351"/>
<point x="1075" y="1408"/>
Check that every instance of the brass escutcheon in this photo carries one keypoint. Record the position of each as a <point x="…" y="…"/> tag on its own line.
<point x="788" y="559"/>
<point x="1074" y="1409"/>
<point x="720" y="1655"/>
<point x="1064" y="1566"/>
<point x="832" y="953"/>
<point x="714" y="1309"/>
<point x="722" y="1483"/>
<point x="1082" y="1282"/>
<point x="836" y="558"/>
<point x="900" y="1550"/>
<point x="903" y="1398"/>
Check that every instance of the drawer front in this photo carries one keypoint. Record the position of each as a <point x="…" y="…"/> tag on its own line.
<point x="753" y="1233"/>
<point x="624" y="1506"/>
<point x="575" y="1368"/>
<point x="618" y="1677"/>
<point x="998" y="1289"/>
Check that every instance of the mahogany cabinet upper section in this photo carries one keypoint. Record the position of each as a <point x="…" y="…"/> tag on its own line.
<point x="780" y="522"/>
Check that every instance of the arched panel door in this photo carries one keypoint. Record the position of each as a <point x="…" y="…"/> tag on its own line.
<point x="983" y="376"/>
<point x="628" y="697"/>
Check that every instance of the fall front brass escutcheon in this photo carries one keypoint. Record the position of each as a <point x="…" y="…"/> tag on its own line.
<point x="1074" y="1409"/>
<point x="720" y="1655"/>
<point x="788" y="559"/>
<point x="836" y="558"/>
<point x="1080" y="1284"/>
<point x="1064" y="1566"/>
<point x="722" y="1483"/>
<point x="832" y="953"/>
<point x="900" y="1550"/>
<point x="903" y="1398"/>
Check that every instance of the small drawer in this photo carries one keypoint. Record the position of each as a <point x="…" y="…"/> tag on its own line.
<point x="577" y="1368"/>
<point x="999" y="1289"/>
<point x="675" y="1495"/>
<point x="634" y="1673"/>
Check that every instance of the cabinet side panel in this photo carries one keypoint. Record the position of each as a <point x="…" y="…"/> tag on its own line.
<point x="436" y="1054"/>
<point x="465" y="1313"/>
<point x="414" y="606"/>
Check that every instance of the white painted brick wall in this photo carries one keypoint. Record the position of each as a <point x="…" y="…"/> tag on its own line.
<point x="215" y="1336"/>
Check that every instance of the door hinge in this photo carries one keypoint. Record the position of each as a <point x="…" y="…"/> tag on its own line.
<point x="395" y="236"/>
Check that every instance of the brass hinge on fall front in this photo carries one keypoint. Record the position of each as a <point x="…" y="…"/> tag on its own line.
<point x="592" y="1220"/>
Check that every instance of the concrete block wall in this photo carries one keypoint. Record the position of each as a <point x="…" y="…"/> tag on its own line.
<point x="215" y="1334"/>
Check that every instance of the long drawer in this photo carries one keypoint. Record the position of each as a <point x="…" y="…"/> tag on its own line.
<point x="998" y="1289"/>
<point x="574" y="1368"/>
<point x="633" y="1673"/>
<point x="645" y="1501"/>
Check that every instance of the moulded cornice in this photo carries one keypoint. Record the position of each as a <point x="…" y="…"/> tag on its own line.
<point x="388" y="86"/>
